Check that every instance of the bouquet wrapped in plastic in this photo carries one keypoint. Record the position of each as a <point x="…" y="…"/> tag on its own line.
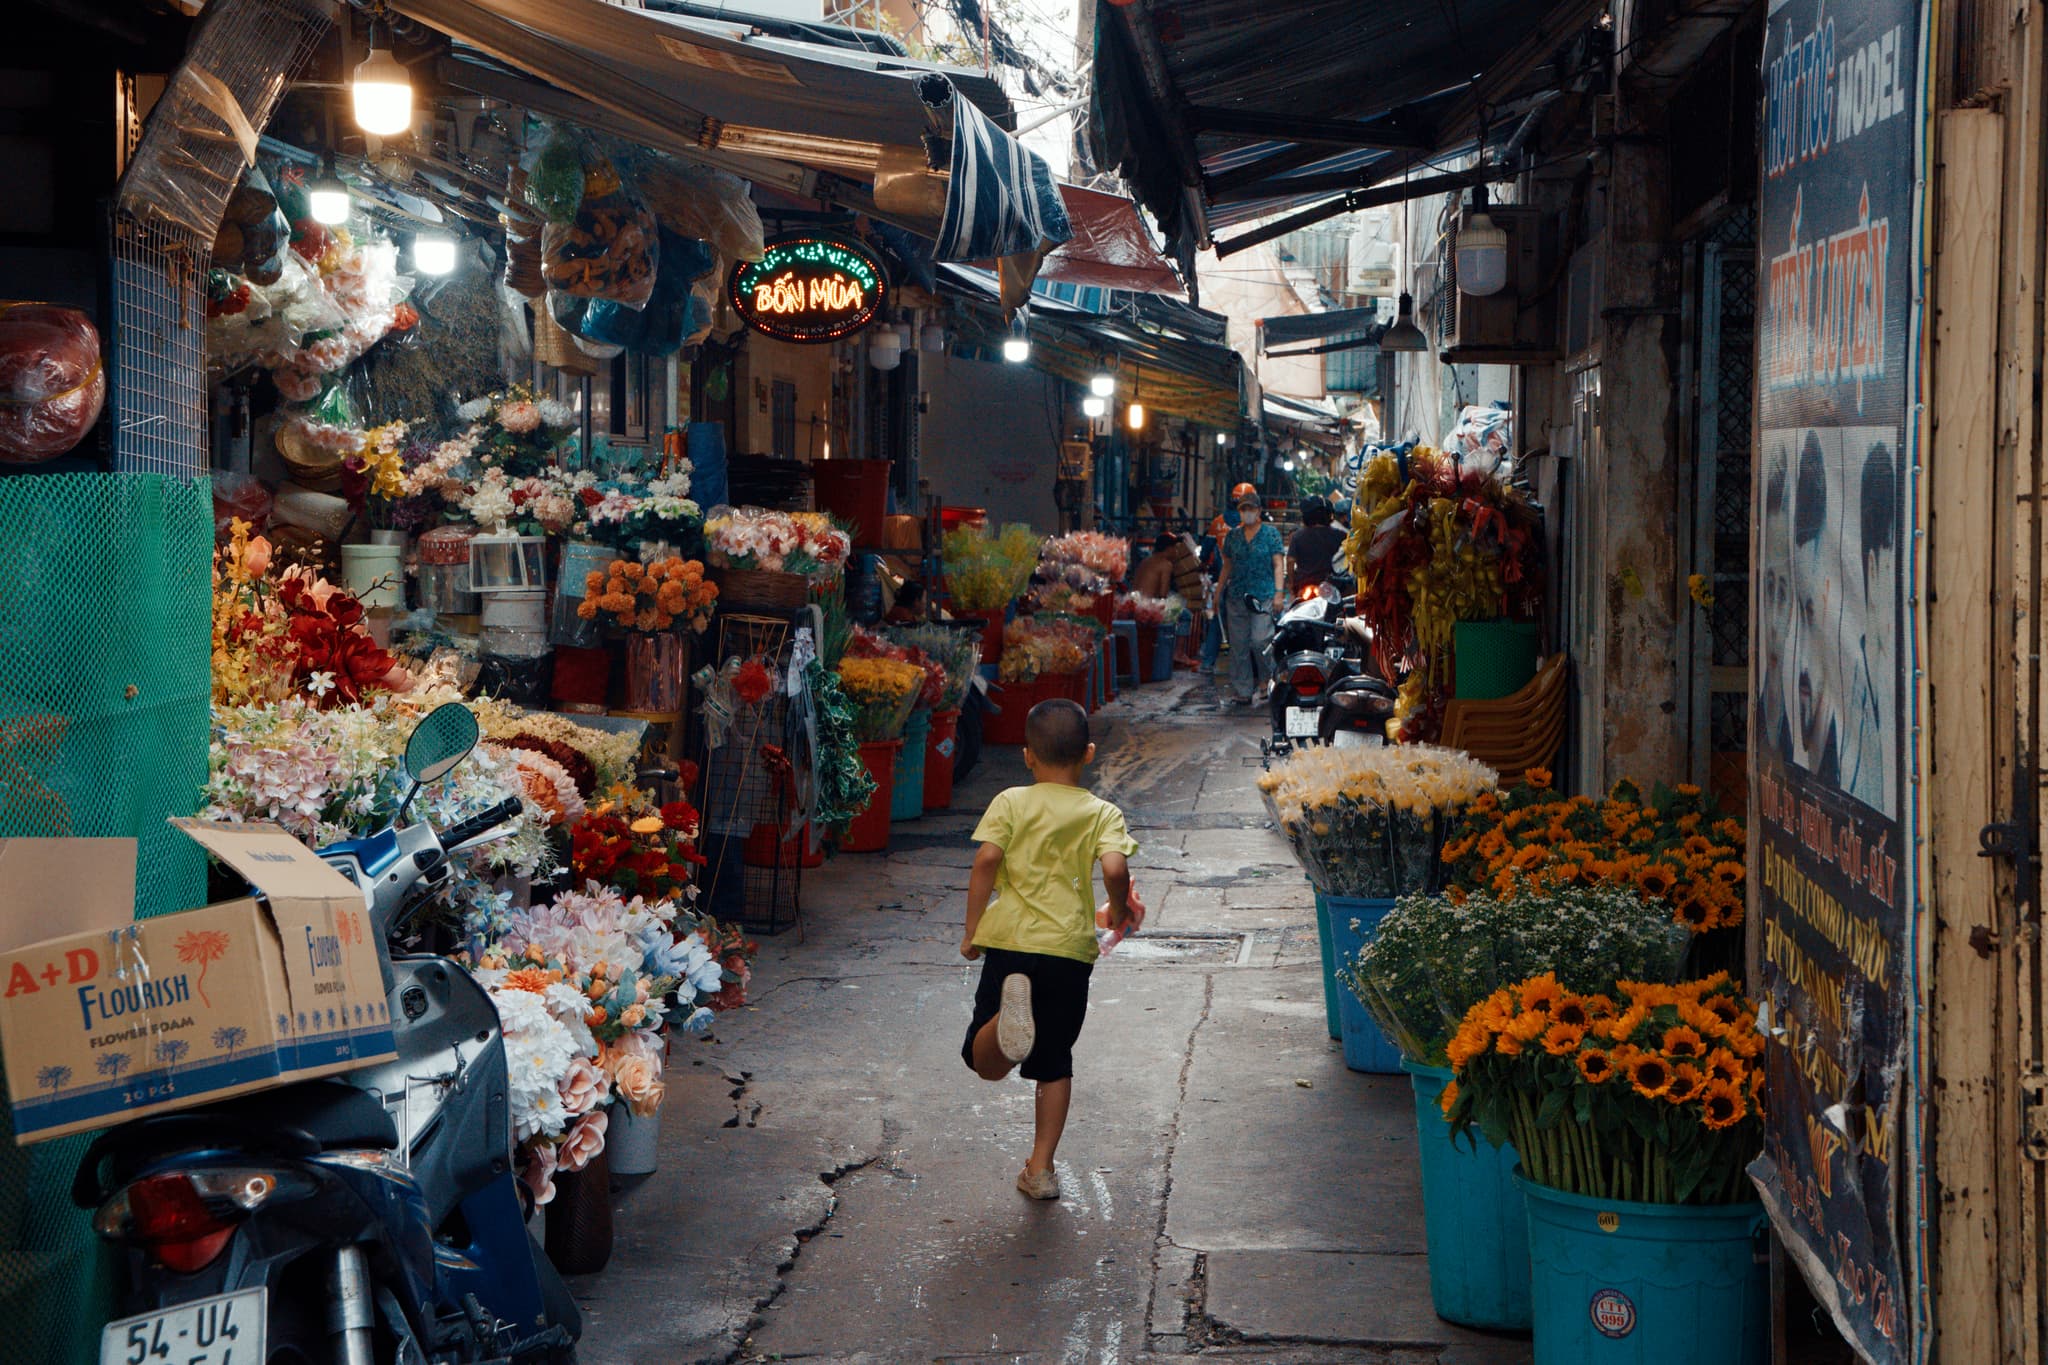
<point x="986" y="572"/>
<point x="1033" y="646"/>
<point x="1371" y="821"/>
<point x="883" y="693"/>
<point x="956" y="653"/>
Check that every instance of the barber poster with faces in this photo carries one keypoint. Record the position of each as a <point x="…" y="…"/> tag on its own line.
<point x="1829" y="731"/>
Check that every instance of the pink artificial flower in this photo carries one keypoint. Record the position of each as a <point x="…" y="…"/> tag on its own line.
<point x="585" y="1087"/>
<point x="539" y="1172"/>
<point x="519" y="416"/>
<point x="584" y="1142"/>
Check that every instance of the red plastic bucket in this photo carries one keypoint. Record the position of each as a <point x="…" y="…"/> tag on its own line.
<point x="992" y="624"/>
<point x="940" y="745"/>
<point x="856" y="492"/>
<point x="1016" y="700"/>
<point x="868" y="832"/>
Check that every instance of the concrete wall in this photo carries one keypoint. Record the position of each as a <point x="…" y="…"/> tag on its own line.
<point x="810" y="367"/>
<point x="991" y="437"/>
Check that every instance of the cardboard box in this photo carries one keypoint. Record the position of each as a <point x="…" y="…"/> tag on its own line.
<point x="118" y="1018"/>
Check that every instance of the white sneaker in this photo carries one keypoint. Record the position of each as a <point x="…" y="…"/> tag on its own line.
<point x="1045" y="1185"/>
<point x="1016" y="1031"/>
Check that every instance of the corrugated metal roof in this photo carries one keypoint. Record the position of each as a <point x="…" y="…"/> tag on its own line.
<point x="1223" y="90"/>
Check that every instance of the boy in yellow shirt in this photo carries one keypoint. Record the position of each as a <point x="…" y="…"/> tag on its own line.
<point x="1039" y="847"/>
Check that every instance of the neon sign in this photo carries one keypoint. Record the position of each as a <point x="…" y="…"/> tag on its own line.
<point x="809" y="289"/>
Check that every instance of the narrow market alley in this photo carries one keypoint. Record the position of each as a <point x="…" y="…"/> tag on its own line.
<point x="834" y="1185"/>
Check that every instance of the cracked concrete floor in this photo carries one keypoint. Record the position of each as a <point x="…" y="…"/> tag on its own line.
<point x="836" y="1186"/>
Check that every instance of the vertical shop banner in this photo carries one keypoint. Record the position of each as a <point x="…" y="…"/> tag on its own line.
<point x="1840" y="125"/>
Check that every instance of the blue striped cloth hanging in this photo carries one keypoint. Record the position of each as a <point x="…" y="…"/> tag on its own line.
<point x="1002" y="200"/>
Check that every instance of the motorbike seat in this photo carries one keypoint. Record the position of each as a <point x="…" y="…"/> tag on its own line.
<point x="333" y="1113"/>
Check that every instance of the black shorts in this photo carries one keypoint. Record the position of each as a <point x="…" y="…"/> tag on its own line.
<point x="1059" y="1002"/>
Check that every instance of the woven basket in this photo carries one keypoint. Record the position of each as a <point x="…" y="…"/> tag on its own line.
<point x="760" y="590"/>
<point x="552" y="344"/>
<point x="310" y="465"/>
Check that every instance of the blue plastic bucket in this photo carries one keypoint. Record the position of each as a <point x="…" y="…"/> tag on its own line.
<point x="1614" y="1282"/>
<point x="1365" y="1047"/>
<point x="1473" y="1218"/>
<point x="906" y="799"/>
<point x="1330" y="983"/>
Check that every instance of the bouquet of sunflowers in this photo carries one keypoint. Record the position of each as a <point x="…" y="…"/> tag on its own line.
<point x="1653" y="1094"/>
<point x="883" y="693"/>
<point x="1369" y="821"/>
<point x="1433" y="957"/>
<point x="650" y="597"/>
<point x="1674" y="846"/>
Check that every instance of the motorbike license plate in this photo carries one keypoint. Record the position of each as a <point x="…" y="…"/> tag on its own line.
<point x="1301" y="721"/>
<point x="224" y="1330"/>
<point x="1357" y="739"/>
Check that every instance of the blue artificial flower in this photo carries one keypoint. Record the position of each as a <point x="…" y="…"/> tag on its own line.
<point x="699" y="1021"/>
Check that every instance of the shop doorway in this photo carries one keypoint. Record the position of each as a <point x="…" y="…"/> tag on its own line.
<point x="1720" y="267"/>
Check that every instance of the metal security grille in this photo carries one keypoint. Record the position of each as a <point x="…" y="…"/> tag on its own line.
<point x="1725" y="313"/>
<point x="169" y="204"/>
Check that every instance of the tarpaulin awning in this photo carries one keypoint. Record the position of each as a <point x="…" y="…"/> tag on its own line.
<point x="1111" y="247"/>
<point x="1187" y="377"/>
<point x="1219" y="112"/>
<point x="738" y="98"/>
<point x="1293" y="328"/>
<point x="1306" y="417"/>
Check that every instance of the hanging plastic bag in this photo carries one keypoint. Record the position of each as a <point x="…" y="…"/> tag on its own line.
<point x="659" y="327"/>
<point x="611" y="251"/>
<point x="554" y="183"/>
<point x="52" y="383"/>
<point x="254" y="236"/>
<point x="713" y="206"/>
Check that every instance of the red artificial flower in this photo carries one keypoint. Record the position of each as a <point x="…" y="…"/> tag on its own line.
<point x="752" y="682"/>
<point x="404" y="318"/>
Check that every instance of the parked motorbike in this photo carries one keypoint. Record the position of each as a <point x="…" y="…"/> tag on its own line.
<point x="367" y="1219"/>
<point x="1323" y="689"/>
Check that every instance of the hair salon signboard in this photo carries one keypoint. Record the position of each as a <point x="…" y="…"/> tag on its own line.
<point x="1831" y="809"/>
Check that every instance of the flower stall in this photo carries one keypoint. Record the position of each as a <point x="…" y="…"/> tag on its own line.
<point x="984" y="576"/>
<point x="1434" y="541"/>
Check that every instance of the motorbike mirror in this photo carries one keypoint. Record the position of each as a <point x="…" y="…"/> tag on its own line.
<point x="441" y="740"/>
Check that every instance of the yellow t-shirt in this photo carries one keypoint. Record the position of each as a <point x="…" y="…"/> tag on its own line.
<point x="1051" y="836"/>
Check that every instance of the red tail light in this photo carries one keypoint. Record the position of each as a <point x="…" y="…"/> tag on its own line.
<point x="167" y="1215"/>
<point x="1306" y="681"/>
<point x="185" y="1218"/>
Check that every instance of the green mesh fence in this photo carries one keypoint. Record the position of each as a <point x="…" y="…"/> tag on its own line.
<point x="105" y="639"/>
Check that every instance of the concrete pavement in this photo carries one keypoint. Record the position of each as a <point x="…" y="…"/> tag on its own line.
<point x="836" y="1186"/>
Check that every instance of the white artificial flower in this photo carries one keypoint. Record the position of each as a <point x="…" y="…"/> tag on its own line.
<point x="538" y="1053"/>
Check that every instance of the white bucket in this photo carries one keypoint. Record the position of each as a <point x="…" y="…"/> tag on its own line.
<point x="516" y="609"/>
<point x="374" y="573"/>
<point x="631" y="1141"/>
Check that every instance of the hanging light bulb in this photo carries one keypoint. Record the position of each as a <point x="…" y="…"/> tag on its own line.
<point x="1017" y="345"/>
<point x="932" y="340"/>
<point x="885" y="349"/>
<point x="1102" y="384"/>
<point x="433" y="253"/>
<point x="1135" y="416"/>
<point x="1404" y="335"/>
<point x="382" y="88"/>
<point x="1093" y="407"/>
<point x="1482" y="259"/>
<point x="326" y="197"/>
<point x="1287" y="465"/>
<point x="1222" y="438"/>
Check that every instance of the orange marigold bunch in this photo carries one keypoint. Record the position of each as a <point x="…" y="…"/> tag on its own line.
<point x="1676" y="847"/>
<point x="1654" y="1094"/>
<point x="650" y="597"/>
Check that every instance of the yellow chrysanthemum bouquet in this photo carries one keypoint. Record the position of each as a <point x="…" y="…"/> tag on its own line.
<point x="883" y="692"/>
<point x="1652" y="1094"/>
<point x="1370" y="821"/>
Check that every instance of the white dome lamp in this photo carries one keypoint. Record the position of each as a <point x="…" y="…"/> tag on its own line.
<point x="1094" y="407"/>
<point x="326" y="196"/>
<point x="433" y="253"/>
<point x="1017" y="345"/>
<point x="382" y="88"/>
<point x="1103" y="382"/>
<point x="1404" y="335"/>
<point x="1482" y="251"/>
<point x="885" y="348"/>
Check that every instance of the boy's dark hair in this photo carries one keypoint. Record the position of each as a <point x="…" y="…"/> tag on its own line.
<point x="1057" y="731"/>
<point x="1810" y="513"/>
<point x="910" y="594"/>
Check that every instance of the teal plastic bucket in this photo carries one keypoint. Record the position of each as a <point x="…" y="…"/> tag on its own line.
<point x="1331" y="986"/>
<point x="1614" y="1282"/>
<point x="1473" y="1218"/>
<point x="906" y="799"/>
<point x="1365" y="1047"/>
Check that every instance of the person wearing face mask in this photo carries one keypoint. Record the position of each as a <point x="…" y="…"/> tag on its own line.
<point x="1254" y="567"/>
